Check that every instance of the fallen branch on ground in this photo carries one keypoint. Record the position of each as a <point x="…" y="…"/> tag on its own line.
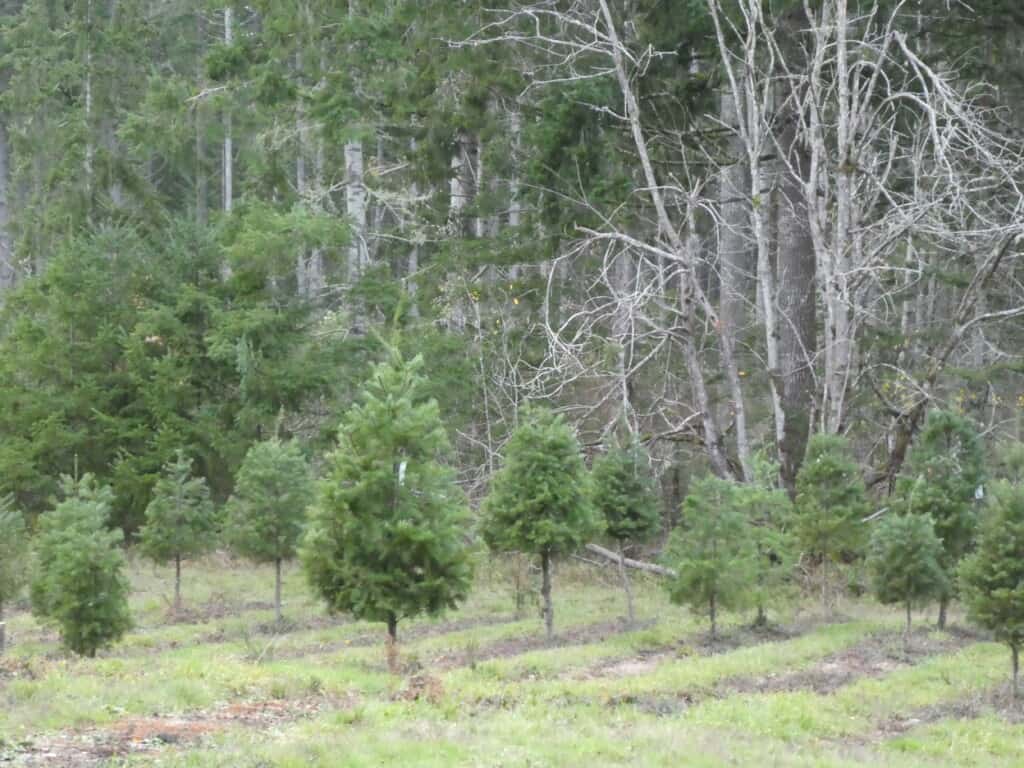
<point x="640" y="565"/>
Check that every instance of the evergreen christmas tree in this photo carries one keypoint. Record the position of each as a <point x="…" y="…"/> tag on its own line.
<point x="539" y="501"/>
<point x="625" y="498"/>
<point x="385" y="539"/>
<point x="943" y="475"/>
<point x="712" y="551"/>
<point x="831" y="502"/>
<point x="267" y="511"/>
<point x="904" y="560"/>
<point x="78" y="581"/>
<point x="992" y="577"/>
<point x="14" y="551"/>
<point x="180" y="519"/>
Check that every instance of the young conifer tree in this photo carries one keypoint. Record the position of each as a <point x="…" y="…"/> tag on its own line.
<point x="14" y="561"/>
<point x="624" y="495"/>
<point x="944" y="471"/>
<point x="539" y="501"/>
<point x="386" y="533"/>
<point x="267" y="511"/>
<point x="180" y="519"/>
<point x="904" y="560"/>
<point x="992" y="577"/>
<point x="78" y="581"/>
<point x="831" y="503"/>
<point x="712" y="551"/>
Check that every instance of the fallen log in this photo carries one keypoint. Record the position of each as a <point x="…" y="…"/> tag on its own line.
<point x="639" y="565"/>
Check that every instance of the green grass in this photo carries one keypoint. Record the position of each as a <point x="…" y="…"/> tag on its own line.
<point x="657" y="695"/>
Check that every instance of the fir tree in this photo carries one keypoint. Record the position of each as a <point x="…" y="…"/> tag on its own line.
<point x="831" y="502"/>
<point x="712" y="551"/>
<point x="385" y="539"/>
<point x="267" y="511"/>
<point x="78" y="582"/>
<point x="539" y="501"/>
<point x="992" y="577"/>
<point x="942" y="477"/>
<point x="14" y="551"/>
<point x="180" y="519"/>
<point x="767" y="509"/>
<point x="904" y="560"/>
<point x="625" y="498"/>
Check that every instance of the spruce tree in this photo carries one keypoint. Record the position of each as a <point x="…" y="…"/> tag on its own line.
<point x="180" y="519"/>
<point x="385" y="539"/>
<point x="992" y="577"/>
<point x="944" y="471"/>
<point x="904" y="560"/>
<point x="625" y="498"/>
<point x="712" y="551"/>
<point x="78" y="581"/>
<point x="14" y="551"/>
<point x="267" y="511"/>
<point x="539" y="501"/>
<point x="831" y="502"/>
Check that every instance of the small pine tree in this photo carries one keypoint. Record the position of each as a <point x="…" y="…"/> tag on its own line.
<point x="539" y="501"/>
<point x="992" y="577"/>
<point x="624" y="496"/>
<point x="266" y="513"/>
<point x="712" y="551"/>
<point x="180" y="519"/>
<point x="767" y="509"/>
<point x="904" y="560"/>
<point x="14" y="550"/>
<point x="831" y="502"/>
<point x="385" y="539"/>
<point x="942" y="476"/>
<point x="78" y="581"/>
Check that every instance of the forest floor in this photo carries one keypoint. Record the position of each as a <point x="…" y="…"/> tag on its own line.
<point x="222" y="685"/>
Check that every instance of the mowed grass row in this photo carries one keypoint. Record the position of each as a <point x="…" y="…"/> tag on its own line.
<point x="655" y="695"/>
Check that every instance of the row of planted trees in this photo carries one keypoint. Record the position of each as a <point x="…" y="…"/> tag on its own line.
<point x="387" y="533"/>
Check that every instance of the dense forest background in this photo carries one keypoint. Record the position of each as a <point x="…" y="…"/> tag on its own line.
<point x="718" y="225"/>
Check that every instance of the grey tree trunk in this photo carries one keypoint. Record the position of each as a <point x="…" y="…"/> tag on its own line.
<point x="228" y="149"/>
<point x="713" y="615"/>
<point x="906" y="636"/>
<point x="355" y="207"/>
<point x="392" y="641"/>
<point x="943" y="606"/>
<point x="8" y="272"/>
<point x="796" y="322"/>
<point x="3" y="630"/>
<point x="545" y="591"/>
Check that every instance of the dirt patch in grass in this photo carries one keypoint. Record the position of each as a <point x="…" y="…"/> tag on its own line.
<point x="874" y="656"/>
<point x="997" y="701"/>
<point x="86" y="748"/>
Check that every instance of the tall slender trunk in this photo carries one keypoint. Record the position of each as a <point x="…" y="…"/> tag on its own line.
<point x="713" y="615"/>
<point x="824" y="586"/>
<point x="392" y="641"/>
<point x="943" y="606"/>
<point x="8" y="272"/>
<point x="228" y="148"/>
<point x="177" y="584"/>
<point x="624" y="574"/>
<point x="906" y="635"/>
<point x="3" y="629"/>
<point x="545" y="591"/>
<point x="355" y="206"/>
<point x="277" y="590"/>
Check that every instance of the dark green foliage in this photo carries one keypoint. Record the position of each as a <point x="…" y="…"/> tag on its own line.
<point x="180" y="519"/>
<point x="831" y="502"/>
<point x="943" y="473"/>
<point x="386" y="535"/>
<point x="624" y="494"/>
<point x="266" y="513"/>
<point x="78" y="582"/>
<point x="904" y="560"/>
<point x="712" y="551"/>
<point x="539" y="501"/>
<point x="992" y="577"/>
<point x="625" y="498"/>
<point x="14" y="560"/>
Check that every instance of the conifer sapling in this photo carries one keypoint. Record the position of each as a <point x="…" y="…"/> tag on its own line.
<point x="539" y="501"/>
<point x="180" y="519"/>
<point x="386" y="534"/>
<point x="624" y="497"/>
<point x="266" y="513"/>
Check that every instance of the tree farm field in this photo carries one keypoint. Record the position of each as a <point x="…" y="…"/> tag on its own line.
<point x="222" y="684"/>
